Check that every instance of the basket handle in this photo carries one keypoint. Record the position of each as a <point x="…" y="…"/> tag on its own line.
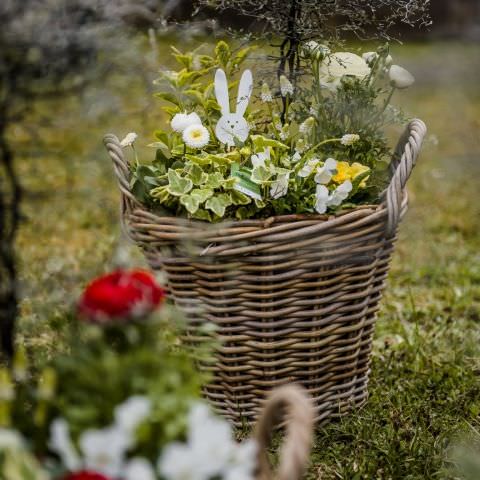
<point x="292" y="404"/>
<point x="122" y="172"/>
<point x="403" y="160"/>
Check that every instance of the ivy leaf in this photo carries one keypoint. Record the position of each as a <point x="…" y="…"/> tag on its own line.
<point x="214" y="180"/>
<point x="202" y="194"/>
<point x="177" y="185"/>
<point x="219" y="203"/>
<point x="202" y="214"/>
<point x="261" y="175"/>
<point x="190" y="202"/>
<point x="260" y="142"/>
<point x="196" y="174"/>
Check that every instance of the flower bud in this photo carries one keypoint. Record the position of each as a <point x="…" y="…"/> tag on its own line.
<point x="266" y="94"/>
<point x="399" y="77"/>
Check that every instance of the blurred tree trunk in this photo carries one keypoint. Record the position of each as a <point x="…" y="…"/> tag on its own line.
<point x="10" y="195"/>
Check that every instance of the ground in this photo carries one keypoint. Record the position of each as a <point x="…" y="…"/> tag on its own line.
<point x="424" y="389"/>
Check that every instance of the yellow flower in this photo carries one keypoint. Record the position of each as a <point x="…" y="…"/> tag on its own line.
<point x="357" y="169"/>
<point x="343" y="172"/>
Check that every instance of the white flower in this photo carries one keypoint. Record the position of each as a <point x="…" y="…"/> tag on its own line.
<point x="388" y="60"/>
<point x="336" y="65"/>
<point x="138" y="469"/>
<point x="131" y="413"/>
<point x="370" y="57"/>
<point x="10" y="439"/>
<point x="297" y="156"/>
<point x="308" y="168"/>
<point x="129" y="139"/>
<point x="349" y="139"/>
<point x="177" y="462"/>
<point x="61" y="443"/>
<point x="399" y="77"/>
<point x="321" y="199"/>
<point x="196" y="136"/>
<point x="286" y="87"/>
<point x="325" y="173"/>
<point x="340" y="193"/>
<point x="266" y="94"/>
<point x="244" y="461"/>
<point x="183" y="120"/>
<point x="104" y="450"/>
<point x="279" y="187"/>
<point x="339" y="64"/>
<point x="307" y="125"/>
<point x="258" y="160"/>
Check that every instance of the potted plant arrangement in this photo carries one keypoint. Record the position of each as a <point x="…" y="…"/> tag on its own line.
<point x="122" y="402"/>
<point x="272" y="205"/>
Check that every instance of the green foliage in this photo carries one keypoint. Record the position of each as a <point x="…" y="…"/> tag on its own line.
<point x="340" y="115"/>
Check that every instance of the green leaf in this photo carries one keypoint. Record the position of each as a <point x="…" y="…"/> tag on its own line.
<point x="177" y="185"/>
<point x="202" y="214"/>
<point x="190" y="202"/>
<point x="214" y="180"/>
<point x="261" y="175"/>
<point x="196" y="174"/>
<point x="223" y="53"/>
<point x="167" y="96"/>
<point x="260" y="142"/>
<point x="243" y="183"/>
<point x="202" y="194"/>
<point x="219" y="203"/>
<point x="239" y="198"/>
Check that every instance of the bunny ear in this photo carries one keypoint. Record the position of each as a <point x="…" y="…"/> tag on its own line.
<point x="221" y="91"/>
<point x="244" y="92"/>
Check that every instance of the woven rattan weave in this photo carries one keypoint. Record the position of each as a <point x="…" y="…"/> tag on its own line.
<point x="294" y="297"/>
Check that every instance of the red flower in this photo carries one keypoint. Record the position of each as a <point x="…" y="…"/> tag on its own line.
<point x="85" y="475"/>
<point x="120" y="295"/>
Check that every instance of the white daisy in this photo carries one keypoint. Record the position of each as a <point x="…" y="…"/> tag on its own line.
<point x="183" y="120"/>
<point x="196" y="136"/>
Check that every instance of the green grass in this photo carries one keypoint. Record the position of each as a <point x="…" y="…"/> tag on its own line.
<point x="424" y="388"/>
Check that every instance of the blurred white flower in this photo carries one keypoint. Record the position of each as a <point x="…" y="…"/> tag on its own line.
<point x="340" y="194"/>
<point x="196" y="136"/>
<point x="370" y="57"/>
<point x="61" y="443"/>
<point x="296" y="156"/>
<point x="210" y="451"/>
<point x="308" y="168"/>
<point x="325" y="173"/>
<point x="129" y="139"/>
<point x="279" y="187"/>
<point x="399" y="77"/>
<point x="266" y="94"/>
<point x="388" y="60"/>
<point x="131" y="413"/>
<point x="321" y="199"/>
<point x="104" y="450"/>
<point x="307" y="126"/>
<point x="183" y="120"/>
<point x="10" y="439"/>
<point x="349" y="139"/>
<point x="138" y="469"/>
<point x="286" y="87"/>
<point x="258" y="160"/>
<point x="339" y="64"/>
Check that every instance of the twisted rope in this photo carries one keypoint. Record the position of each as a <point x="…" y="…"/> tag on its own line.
<point x="122" y="172"/>
<point x="403" y="161"/>
<point x="288" y="402"/>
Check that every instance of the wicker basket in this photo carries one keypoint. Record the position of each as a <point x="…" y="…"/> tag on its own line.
<point x="294" y="297"/>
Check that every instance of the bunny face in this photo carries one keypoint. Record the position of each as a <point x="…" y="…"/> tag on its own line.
<point x="232" y="126"/>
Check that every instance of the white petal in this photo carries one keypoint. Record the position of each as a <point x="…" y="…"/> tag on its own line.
<point x="61" y="443"/>
<point x="139" y="469"/>
<point x="130" y="414"/>
<point x="330" y="164"/>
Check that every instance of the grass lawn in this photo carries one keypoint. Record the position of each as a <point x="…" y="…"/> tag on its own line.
<point x="424" y="389"/>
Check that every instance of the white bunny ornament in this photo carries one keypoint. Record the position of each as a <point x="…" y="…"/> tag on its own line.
<point x="232" y="126"/>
